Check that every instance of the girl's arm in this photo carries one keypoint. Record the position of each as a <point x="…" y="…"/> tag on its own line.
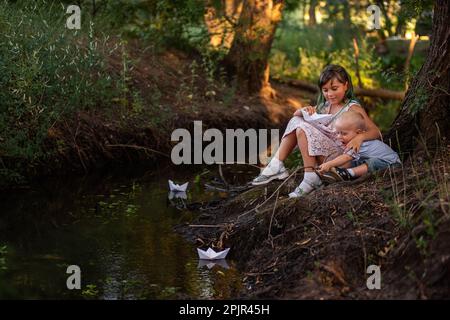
<point x="372" y="132"/>
<point x="339" y="161"/>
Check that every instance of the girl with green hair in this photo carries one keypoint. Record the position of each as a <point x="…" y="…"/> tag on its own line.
<point x="316" y="140"/>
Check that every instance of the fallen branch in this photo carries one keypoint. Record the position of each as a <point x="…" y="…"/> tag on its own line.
<point x="222" y="177"/>
<point x="136" y="147"/>
<point x="376" y="93"/>
<point x="269" y="235"/>
<point x="279" y="187"/>
<point x="208" y="225"/>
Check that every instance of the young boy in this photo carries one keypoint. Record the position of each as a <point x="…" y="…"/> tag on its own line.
<point x="373" y="154"/>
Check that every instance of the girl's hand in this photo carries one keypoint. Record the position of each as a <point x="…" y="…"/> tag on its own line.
<point x="355" y="143"/>
<point x="324" y="167"/>
<point x="309" y="109"/>
<point x="298" y="113"/>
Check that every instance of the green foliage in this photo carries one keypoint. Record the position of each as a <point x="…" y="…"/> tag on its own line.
<point x="173" y="23"/>
<point x="206" y="76"/>
<point x="414" y="8"/>
<point x="47" y="72"/>
<point x="301" y="52"/>
<point x="294" y="159"/>
<point x="90" y="292"/>
<point x="384" y="113"/>
<point x="392" y="74"/>
<point x="168" y="292"/>
<point x="419" y="101"/>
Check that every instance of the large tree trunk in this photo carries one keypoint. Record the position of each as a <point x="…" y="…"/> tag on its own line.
<point x="425" y="113"/>
<point x="221" y="19"/>
<point x="249" y="53"/>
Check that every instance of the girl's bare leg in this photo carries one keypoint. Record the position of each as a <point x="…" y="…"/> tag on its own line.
<point x="308" y="161"/>
<point x="310" y="179"/>
<point x="287" y="145"/>
<point x="320" y="159"/>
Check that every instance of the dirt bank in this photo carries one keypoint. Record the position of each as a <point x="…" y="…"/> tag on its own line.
<point x="320" y="246"/>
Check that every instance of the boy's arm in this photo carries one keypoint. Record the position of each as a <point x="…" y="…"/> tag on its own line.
<point x="372" y="132"/>
<point x="339" y="161"/>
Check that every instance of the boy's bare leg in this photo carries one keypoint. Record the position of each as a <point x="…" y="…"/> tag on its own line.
<point x="360" y="170"/>
<point x="287" y="145"/>
<point x="347" y="165"/>
<point x="308" y="161"/>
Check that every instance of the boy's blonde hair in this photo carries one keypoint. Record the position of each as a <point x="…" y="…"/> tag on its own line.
<point x="352" y="118"/>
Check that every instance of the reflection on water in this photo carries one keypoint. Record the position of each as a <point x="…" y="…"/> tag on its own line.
<point x="210" y="264"/>
<point x="118" y="229"/>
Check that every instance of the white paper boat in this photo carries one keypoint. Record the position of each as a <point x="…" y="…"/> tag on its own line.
<point x="210" y="254"/>
<point x="316" y="117"/>
<point x="210" y="264"/>
<point x="176" y="187"/>
<point x="177" y="195"/>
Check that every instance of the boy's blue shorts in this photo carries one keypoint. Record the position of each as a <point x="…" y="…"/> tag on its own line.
<point x="373" y="164"/>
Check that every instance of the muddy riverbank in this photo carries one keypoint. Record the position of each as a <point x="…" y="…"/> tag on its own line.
<point x="320" y="246"/>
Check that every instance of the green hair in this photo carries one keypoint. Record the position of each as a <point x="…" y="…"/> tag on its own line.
<point x="334" y="71"/>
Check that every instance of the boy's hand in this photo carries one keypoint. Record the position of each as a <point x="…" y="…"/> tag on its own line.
<point x="355" y="143"/>
<point x="324" y="167"/>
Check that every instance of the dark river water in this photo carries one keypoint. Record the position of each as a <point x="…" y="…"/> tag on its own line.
<point x="118" y="229"/>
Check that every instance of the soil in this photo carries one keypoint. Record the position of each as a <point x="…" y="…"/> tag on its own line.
<point x="320" y="246"/>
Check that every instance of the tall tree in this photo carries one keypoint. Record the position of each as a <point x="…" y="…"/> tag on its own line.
<point x="249" y="52"/>
<point x="312" y="12"/>
<point x="220" y="18"/>
<point x="425" y="111"/>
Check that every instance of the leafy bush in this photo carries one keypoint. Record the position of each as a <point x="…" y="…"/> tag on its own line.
<point x="301" y="52"/>
<point x="46" y="72"/>
<point x="162" y="23"/>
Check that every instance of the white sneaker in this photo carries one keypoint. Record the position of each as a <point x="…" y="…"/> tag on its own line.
<point x="269" y="174"/>
<point x="298" y="192"/>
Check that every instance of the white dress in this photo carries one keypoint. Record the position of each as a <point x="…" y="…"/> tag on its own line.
<point x="321" y="139"/>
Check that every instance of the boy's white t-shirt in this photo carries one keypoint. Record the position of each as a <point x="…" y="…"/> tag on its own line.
<point x="375" y="149"/>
